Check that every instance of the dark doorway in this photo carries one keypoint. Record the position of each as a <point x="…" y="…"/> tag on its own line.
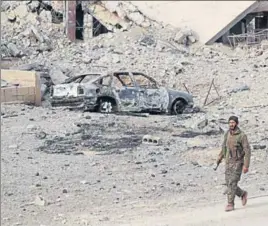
<point x="98" y="27"/>
<point x="79" y="22"/>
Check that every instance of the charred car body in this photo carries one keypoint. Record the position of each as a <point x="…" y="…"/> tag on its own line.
<point x="119" y="92"/>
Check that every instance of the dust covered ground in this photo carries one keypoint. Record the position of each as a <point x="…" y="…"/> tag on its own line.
<point x="92" y="169"/>
<point x="61" y="167"/>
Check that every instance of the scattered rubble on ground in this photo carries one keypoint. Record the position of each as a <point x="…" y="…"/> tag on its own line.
<point x="88" y="162"/>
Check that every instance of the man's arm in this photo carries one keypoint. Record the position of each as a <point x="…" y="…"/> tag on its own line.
<point x="246" y="149"/>
<point x="223" y="148"/>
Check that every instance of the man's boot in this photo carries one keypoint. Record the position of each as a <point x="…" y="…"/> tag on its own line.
<point x="229" y="207"/>
<point x="244" y="198"/>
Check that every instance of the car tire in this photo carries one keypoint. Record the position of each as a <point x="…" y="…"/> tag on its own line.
<point x="178" y="107"/>
<point x="106" y="106"/>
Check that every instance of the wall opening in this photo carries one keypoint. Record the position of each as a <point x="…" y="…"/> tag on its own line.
<point x="79" y="32"/>
<point x="98" y="28"/>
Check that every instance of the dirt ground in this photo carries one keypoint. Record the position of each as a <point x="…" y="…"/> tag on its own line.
<point x="61" y="167"/>
<point x="92" y="169"/>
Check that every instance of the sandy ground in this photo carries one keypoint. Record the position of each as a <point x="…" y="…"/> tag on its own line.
<point x="255" y="213"/>
<point x="92" y="169"/>
<point x="114" y="179"/>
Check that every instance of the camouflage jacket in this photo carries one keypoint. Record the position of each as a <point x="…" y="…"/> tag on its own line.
<point x="235" y="147"/>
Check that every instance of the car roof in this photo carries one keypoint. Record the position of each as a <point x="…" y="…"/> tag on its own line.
<point x="102" y="75"/>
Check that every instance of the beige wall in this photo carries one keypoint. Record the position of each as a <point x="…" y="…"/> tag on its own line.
<point x="28" y="91"/>
<point x="207" y="18"/>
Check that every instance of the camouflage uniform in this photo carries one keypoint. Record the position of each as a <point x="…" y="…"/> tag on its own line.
<point x="236" y="151"/>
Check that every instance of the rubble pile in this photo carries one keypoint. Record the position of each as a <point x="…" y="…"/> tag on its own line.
<point x="40" y="45"/>
<point x="126" y="10"/>
<point x="164" y="53"/>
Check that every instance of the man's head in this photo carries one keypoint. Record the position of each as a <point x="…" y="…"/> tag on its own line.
<point x="233" y="122"/>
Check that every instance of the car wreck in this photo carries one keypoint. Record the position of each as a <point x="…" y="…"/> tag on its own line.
<point x="119" y="92"/>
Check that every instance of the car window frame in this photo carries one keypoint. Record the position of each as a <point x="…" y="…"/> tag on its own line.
<point x="146" y="76"/>
<point x="97" y="81"/>
<point x="116" y="75"/>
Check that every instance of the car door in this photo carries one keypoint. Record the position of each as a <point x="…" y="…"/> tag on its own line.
<point x="151" y="96"/>
<point x="72" y="88"/>
<point x="126" y="91"/>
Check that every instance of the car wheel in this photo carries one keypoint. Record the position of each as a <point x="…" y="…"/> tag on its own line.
<point x="107" y="106"/>
<point x="178" y="107"/>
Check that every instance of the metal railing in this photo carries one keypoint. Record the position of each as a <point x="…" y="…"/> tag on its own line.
<point x="249" y="39"/>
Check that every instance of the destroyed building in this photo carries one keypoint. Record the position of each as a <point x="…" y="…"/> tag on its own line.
<point x="213" y="21"/>
<point x="228" y="22"/>
<point x="86" y="19"/>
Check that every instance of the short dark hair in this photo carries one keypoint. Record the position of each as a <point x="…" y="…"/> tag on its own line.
<point x="233" y="118"/>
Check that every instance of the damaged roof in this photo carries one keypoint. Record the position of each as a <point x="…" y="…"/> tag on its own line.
<point x="210" y="19"/>
<point x="107" y="18"/>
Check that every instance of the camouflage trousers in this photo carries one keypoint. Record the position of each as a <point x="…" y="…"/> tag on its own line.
<point x="233" y="173"/>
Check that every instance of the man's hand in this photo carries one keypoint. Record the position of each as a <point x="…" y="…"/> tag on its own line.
<point x="245" y="170"/>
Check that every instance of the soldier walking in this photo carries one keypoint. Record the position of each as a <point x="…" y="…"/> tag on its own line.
<point x="236" y="152"/>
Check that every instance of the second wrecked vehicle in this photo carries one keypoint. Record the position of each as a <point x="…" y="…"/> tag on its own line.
<point x="119" y="92"/>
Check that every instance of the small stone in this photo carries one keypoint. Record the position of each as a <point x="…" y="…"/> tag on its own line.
<point x="31" y="127"/>
<point x="84" y="182"/>
<point x="14" y="146"/>
<point x="45" y="177"/>
<point x="39" y="201"/>
<point x="202" y="124"/>
<point x="138" y="162"/>
<point x="88" y="117"/>
<point x="31" y="119"/>
<point x="38" y="185"/>
<point x="262" y="189"/>
<point x="164" y="171"/>
<point x="64" y="191"/>
<point x="37" y="174"/>
<point x="195" y="163"/>
<point x="259" y="146"/>
<point x="105" y="219"/>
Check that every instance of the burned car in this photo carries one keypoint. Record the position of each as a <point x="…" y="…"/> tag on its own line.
<point x="120" y="92"/>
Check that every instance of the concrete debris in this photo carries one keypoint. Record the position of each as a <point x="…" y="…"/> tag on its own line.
<point x="5" y="6"/>
<point x="126" y="10"/>
<point x="264" y="45"/>
<point x="81" y="151"/>
<point x="259" y="146"/>
<point x="186" y="37"/>
<point x="11" y="16"/>
<point x="40" y="201"/>
<point x="56" y="75"/>
<point x="202" y="124"/>
<point x="240" y="89"/>
<point x="37" y="35"/>
<point x="4" y="83"/>
<point x="13" y="50"/>
<point x="148" y="139"/>
<point x="147" y="40"/>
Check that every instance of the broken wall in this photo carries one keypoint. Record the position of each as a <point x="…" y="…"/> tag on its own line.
<point x="207" y="18"/>
<point x="20" y="87"/>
